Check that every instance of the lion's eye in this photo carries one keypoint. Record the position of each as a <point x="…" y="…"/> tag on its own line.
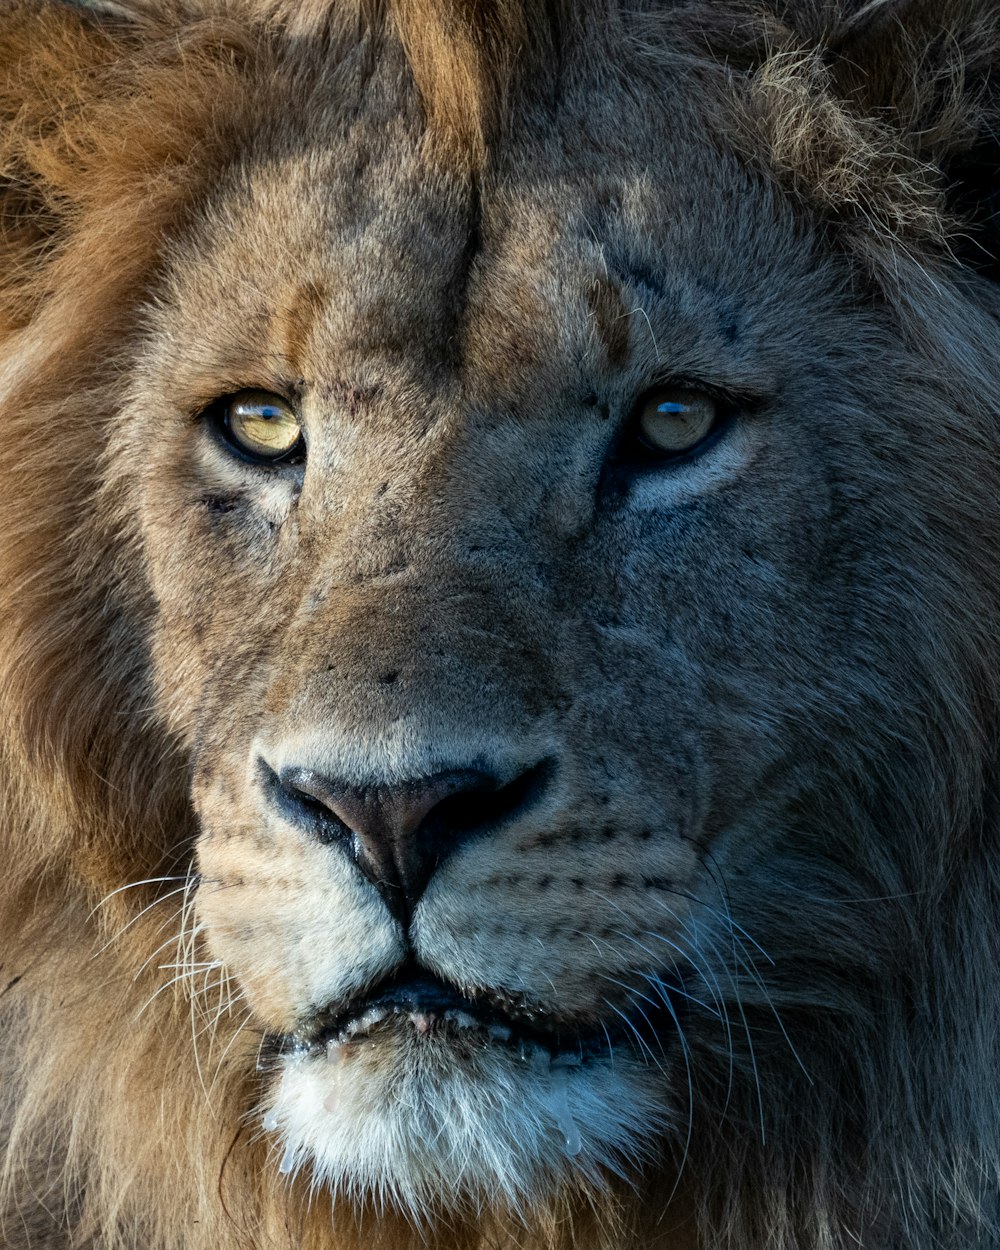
<point x="673" y="420"/>
<point x="261" y="425"/>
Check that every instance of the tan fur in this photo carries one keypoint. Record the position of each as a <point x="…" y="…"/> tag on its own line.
<point x="464" y="237"/>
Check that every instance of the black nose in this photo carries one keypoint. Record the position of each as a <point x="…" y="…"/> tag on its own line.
<point x="399" y="835"/>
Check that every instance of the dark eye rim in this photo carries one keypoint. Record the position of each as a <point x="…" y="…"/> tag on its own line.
<point x="216" y="417"/>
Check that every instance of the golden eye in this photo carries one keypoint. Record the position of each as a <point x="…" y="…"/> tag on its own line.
<point x="262" y="425"/>
<point x="673" y="420"/>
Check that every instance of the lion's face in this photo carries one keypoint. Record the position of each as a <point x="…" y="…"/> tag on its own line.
<point x="498" y="711"/>
<point x="499" y="686"/>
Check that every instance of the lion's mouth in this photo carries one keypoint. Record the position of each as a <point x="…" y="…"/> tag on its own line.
<point x="430" y="1005"/>
<point x="417" y="1001"/>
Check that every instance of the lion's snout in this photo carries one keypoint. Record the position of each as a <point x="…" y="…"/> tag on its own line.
<point x="399" y="832"/>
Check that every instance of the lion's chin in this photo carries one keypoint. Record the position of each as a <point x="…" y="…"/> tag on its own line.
<point x="426" y="1121"/>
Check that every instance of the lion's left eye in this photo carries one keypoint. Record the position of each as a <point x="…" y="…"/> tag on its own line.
<point x="673" y="420"/>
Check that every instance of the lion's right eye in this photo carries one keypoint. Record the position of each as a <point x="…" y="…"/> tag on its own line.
<point x="672" y="422"/>
<point x="260" y="426"/>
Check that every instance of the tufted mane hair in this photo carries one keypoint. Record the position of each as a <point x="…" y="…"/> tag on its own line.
<point x="861" y="114"/>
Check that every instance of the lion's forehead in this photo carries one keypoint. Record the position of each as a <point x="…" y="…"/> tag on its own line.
<point x="362" y="269"/>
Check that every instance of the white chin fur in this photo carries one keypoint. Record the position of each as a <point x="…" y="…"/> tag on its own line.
<point x="414" y="1121"/>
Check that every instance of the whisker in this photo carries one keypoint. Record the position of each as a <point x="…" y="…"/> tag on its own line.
<point x="119" y="933"/>
<point x="237" y="1033"/>
<point x="643" y="1044"/>
<point x="686" y="1055"/>
<point x="131" y="885"/>
<point x="716" y="875"/>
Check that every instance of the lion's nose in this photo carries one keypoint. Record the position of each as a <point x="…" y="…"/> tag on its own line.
<point x="399" y="835"/>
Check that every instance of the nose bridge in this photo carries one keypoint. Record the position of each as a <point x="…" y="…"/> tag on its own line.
<point x="427" y="634"/>
<point x="427" y="574"/>
<point x="405" y="675"/>
<point x="436" y="490"/>
<point x="417" y="641"/>
<point x="415" y="720"/>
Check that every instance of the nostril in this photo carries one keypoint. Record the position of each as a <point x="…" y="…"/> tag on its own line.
<point x="297" y="794"/>
<point x="488" y="804"/>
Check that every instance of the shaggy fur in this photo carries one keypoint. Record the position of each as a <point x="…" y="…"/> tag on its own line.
<point x="462" y="238"/>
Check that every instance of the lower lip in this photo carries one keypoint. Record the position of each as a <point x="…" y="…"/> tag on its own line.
<point x="460" y="1026"/>
<point x="435" y="1015"/>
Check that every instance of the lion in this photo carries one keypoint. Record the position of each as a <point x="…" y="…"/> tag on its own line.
<point x="500" y="675"/>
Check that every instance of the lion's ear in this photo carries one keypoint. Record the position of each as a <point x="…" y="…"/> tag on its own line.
<point x="882" y="114"/>
<point x="931" y="70"/>
<point x="934" y="67"/>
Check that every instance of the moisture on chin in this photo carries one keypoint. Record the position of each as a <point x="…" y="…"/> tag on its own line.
<point x="409" y="1112"/>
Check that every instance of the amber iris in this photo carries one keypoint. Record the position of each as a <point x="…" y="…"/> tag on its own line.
<point x="262" y="425"/>
<point x="673" y="420"/>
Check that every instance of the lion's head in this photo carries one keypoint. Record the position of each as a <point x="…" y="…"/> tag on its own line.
<point x="500" y="667"/>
